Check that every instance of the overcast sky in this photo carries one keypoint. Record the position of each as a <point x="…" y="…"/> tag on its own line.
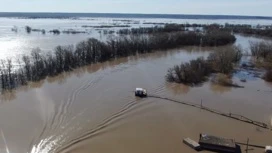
<point x="218" y="7"/>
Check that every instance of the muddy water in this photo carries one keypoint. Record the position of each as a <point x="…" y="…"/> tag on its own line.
<point x="93" y="109"/>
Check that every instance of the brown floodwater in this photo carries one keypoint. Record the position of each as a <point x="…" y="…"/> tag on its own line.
<point x="93" y="109"/>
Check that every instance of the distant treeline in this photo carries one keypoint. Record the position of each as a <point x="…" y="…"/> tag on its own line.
<point x="250" y="31"/>
<point x="235" y="28"/>
<point x="259" y="30"/>
<point x="28" y="29"/>
<point x="158" y="29"/>
<point x="128" y="16"/>
<point x="106" y="26"/>
<point x="186" y="25"/>
<point x="38" y="66"/>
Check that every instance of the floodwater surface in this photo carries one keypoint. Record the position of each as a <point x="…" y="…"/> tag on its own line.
<point x="15" y="41"/>
<point x="93" y="109"/>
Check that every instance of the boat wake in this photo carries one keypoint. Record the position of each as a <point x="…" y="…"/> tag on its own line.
<point x="61" y="121"/>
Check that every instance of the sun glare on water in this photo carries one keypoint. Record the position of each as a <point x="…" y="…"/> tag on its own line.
<point x="8" y="47"/>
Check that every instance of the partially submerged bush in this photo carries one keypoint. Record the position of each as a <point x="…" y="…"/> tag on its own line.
<point x="192" y="73"/>
<point x="28" y="29"/>
<point x="222" y="61"/>
<point x="43" y="31"/>
<point x="261" y="49"/>
<point x="263" y="52"/>
<point x="196" y="71"/>
<point x="55" y="31"/>
<point x="72" y="31"/>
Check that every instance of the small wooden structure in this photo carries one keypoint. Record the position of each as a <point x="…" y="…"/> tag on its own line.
<point x="217" y="144"/>
<point x="191" y="143"/>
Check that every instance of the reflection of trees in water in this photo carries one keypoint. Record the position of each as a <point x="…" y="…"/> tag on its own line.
<point x="37" y="84"/>
<point x="62" y="77"/>
<point x="269" y="84"/>
<point x="219" y="89"/>
<point x="7" y="96"/>
<point x="178" y="89"/>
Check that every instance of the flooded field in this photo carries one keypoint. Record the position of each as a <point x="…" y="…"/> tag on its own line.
<point x="93" y="108"/>
<point x="15" y="41"/>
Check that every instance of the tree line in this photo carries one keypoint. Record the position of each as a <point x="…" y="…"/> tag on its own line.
<point x="250" y="30"/>
<point x="243" y="29"/>
<point x="151" y="30"/>
<point x="28" y="30"/>
<point x="38" y="66"/>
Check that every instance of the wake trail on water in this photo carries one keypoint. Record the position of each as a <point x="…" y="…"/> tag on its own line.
<point x="106" y="122"/>
<point x="61" y="120"/>
<point x="103" y="125"/>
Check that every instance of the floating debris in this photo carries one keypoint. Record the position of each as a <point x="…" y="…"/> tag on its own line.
<point x="191" y="143"/>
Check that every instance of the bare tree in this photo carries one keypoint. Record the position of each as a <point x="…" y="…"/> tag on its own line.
<point x="27" y="67"/>
<point x="28" y="29"/>
<point x="11" y="83"/>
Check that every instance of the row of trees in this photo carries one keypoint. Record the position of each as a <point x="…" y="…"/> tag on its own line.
<point x="152" y="30"/>
<point x="251" y="31"/>
<point x="236" y="28"/>
<point x="186" y="25"/>
<point x="197" y="71"/>
<point x="28" y="29"/>
<point x="227" y="25"/>
<point x="243" y="29"/>
<point x="215" y="34"/>
<point x="38" y="66"/>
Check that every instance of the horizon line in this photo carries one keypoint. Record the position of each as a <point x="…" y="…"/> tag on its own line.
<point x="236" y="15"/>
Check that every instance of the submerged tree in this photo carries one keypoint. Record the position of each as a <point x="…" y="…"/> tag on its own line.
<point x="222" y="61"/>
<point x="196" y="71"/>
<point x="43" y="31"/>
<point x="28" y="29"/>
<point x="261" y="49"/>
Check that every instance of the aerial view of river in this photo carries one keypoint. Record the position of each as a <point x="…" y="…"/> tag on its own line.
<point x="93" y="108"/>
